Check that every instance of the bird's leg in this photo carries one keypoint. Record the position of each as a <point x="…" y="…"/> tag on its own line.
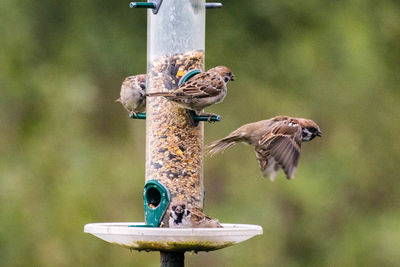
<point x="133" y="114"/>
<point x="209" y="115"/>
<point x="195" y="117"/>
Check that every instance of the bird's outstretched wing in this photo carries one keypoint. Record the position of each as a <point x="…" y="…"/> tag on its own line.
<point x="280" y="148"/>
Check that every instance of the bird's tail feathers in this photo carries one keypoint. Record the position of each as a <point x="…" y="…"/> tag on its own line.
<point x="222" y="144"/>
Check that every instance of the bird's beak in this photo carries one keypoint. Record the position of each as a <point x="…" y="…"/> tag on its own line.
<point x="319" y="133"/>
<point x="178" y="210"/>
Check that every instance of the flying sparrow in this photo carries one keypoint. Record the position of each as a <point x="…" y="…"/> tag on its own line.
<point x="133" y="93"/>
<point x="183" y="216"/>
<point x="201" y="91"/>
<point x="276" y="141"/>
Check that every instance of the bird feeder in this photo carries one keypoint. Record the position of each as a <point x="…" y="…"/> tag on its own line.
<point x="174" y="140"/>
<point x="174" y="145"/>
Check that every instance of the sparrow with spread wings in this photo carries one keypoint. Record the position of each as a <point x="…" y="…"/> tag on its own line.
<point x="277" y="142"/>
<point x="133" y="93"/>
<point x="201" y="91"/>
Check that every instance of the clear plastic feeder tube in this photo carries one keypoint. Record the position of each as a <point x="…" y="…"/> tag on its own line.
<point x="174" y="146"/>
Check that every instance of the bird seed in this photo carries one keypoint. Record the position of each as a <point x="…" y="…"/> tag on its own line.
<point x="174" y="144"/>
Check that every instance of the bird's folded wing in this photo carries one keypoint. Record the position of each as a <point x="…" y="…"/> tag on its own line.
<point x="200" y="86"/>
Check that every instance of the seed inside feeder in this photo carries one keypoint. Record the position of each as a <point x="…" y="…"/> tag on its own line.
<point x="175" y="145"/>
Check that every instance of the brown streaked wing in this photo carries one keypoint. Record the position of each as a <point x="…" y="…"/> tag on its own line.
<point x="262" y="158"/>
<point x="283" y="143"/>
<point x="281" y="128"/>
<point x="197" y="86"/>
<point x="286" y="151"/>
<point x="197" y="215"/>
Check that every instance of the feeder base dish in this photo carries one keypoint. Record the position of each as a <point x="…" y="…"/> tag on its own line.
<point x="172" y="239"/>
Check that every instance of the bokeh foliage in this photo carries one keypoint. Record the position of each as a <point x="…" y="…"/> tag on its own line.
<point x="69" y="155"/>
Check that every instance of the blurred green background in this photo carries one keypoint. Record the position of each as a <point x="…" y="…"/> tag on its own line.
<point x="69" y="155"/>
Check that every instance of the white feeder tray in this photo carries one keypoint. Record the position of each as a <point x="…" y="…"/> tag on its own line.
<point x="172" y="239"/>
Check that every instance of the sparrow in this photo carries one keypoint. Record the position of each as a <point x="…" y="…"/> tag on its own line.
<point x="182" y="215"/>
<point x="133" y="93"/>
<point x="202" y="90"/>
<point x="277" y="142"/>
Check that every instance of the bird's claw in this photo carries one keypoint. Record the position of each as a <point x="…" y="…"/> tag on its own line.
<point x="133" y="114"/>
<point x="209" y="116"/>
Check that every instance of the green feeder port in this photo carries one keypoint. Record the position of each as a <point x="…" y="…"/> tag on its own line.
<point x="156" y="201"/>
<point x="187" y="76"/>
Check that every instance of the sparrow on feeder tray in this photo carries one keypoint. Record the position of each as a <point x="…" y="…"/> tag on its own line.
<point x="182" y="215"/>
<point x="133" y="94"/>
<point x="202" y="90"/>
<point x="276" y="141"/>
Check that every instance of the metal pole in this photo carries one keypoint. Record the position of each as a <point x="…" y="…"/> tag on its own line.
<point x="172" y="259"/>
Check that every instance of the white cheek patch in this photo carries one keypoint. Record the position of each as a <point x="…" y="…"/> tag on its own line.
<point x="306" y="134"/>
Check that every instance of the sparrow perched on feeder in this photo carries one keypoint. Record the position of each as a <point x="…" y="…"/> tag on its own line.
<point x="276" y="141"/>
<point x="202" y="90"/>
<point x="133" y="93"/>
<point x="182" y="216"/>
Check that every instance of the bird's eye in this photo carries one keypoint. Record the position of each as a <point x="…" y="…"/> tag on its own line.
<point x="311" y="129"/>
